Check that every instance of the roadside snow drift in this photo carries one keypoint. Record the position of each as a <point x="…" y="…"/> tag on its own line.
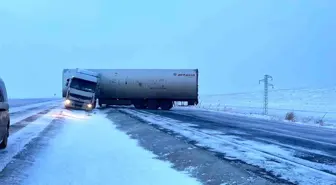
<point x="89" y="150"/>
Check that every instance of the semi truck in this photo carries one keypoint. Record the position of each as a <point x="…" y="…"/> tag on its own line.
<point x="80" y="87"/>
<point x="144" y="88"/>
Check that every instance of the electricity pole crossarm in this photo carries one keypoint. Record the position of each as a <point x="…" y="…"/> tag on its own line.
<point x="266" y="85"/>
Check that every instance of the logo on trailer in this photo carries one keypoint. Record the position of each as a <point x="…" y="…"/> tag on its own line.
<point x="184" y="74"/>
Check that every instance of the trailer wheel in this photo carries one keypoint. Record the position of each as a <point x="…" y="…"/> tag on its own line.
<point x="139" y="104"/>
<point x="166" y="104"/>
<point x="153" y="104"/>
<point x="100" y="103"/>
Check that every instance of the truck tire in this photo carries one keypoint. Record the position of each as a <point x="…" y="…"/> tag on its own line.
<point x="4" y="141"/>
<point x="166" y="104"/>
<point x="139" y="104"/>
<point x="94" y="105"/>
<point x="153" y="104"/>
<point x="100" y="103"/>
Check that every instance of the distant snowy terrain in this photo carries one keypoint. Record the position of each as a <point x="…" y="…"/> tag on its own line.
<point x="16" y="102"/>
<point x="309" y="105"/>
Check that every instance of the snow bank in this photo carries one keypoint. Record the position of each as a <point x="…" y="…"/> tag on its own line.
<point x="90" y="150"/>
<point x="309" y="105"/>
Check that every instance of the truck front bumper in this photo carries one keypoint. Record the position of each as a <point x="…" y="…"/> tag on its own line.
<point x="78" y="105"/>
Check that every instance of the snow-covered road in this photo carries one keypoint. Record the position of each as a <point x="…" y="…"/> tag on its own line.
<point x="28" y="102"/>
<point x="299" y="153"/>
<point x="49" y="145"/>
<point x="72" y="147"/>
<point x="89" y="150"/>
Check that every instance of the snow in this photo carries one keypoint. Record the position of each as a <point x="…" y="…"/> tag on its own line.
<point x="18" y="140"/>
<point x="32" y="106"/>
<point x="21" y="102"/>
<point x="93" y="151"/>
<point x="28" y="111"/>
<point x="309" y="105"/>
<point x="276" y="159"/>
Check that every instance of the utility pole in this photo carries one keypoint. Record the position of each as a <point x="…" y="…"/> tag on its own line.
<point x="266" y="85"/>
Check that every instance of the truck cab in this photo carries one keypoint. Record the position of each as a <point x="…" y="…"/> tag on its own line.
<point x="81" y="90"/>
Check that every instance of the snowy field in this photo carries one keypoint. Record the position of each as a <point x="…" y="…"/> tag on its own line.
<point x="309" y="105"/>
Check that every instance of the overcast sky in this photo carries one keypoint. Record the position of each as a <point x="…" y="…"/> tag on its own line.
<point x="233" y="43"/>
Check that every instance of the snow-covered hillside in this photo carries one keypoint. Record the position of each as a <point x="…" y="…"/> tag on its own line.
<point x="309" y="105"/>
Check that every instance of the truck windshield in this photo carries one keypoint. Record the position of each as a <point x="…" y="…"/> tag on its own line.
<point x="83" y="85"/>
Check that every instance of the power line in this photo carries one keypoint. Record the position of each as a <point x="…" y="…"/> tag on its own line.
<point x="266" y="85"/>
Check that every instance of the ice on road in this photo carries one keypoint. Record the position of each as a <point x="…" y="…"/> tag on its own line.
<point x="92" y="151"/>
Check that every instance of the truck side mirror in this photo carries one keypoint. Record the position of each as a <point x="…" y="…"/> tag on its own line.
<point x="67" y="82"/>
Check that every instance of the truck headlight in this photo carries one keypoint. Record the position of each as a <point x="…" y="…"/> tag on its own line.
<point x="67" y="102"/>
<point x="89" y="105"/>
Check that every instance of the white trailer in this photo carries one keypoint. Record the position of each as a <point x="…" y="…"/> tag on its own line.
<point x="146" y="88"/>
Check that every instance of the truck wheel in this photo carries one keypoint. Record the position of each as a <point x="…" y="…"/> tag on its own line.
<point x="139" y="104"/>
<point x="153" y="104"/>
<point x="100" y="103"/>
<point x="166" y="105"/>
<point x="4" y="141"/>
<point x="94" y="105"/>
